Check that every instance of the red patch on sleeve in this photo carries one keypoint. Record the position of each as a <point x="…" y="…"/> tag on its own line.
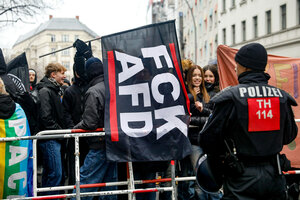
<point x="263" y="114"/>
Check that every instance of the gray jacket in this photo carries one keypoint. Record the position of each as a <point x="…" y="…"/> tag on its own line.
<point x="93" y="115"/>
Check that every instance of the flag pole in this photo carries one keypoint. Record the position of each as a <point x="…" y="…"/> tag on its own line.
<point x="98" y="38"/>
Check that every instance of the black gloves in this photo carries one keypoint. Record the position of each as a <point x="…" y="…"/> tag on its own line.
<point x="82" y="49"/>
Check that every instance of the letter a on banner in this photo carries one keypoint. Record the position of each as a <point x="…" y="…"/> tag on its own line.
<point x="146" y="107"/>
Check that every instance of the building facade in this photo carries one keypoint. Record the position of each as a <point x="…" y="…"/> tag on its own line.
<point x="204" y="24"/>
<point x="53" y="35"/>
<point x="274" y="24"/>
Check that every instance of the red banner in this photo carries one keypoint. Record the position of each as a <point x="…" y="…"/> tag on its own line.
<point x="284" y="72"/>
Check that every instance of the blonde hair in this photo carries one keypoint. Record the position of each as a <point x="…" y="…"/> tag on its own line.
<point x="189" y="81"/>
<point x="2" y="87"/>
<point x="186" y="64"/>
<point x="54" y="67"/>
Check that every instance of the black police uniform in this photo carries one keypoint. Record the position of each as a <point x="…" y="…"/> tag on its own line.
<point x="259" y="120"/>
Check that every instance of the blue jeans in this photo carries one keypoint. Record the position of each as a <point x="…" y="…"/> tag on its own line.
<point x="52" y="166"/>
<point x="186" y="189"/>
<point x="96" y="169"/>
<point x="140" y="174"/>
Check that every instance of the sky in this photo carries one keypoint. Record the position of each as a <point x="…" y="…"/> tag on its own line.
<point x="102" y="16"/>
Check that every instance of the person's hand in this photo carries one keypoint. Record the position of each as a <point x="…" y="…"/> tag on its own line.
<point x="82" y="49"/>
<point x="197" y="90"/>
<point x="199" y="106"/>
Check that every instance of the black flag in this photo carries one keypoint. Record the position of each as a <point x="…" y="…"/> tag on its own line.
<point x="146" y="108"/>
<point x="17" y="70"/>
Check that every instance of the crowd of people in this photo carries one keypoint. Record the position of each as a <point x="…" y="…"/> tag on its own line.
<point x="215" y="116"/>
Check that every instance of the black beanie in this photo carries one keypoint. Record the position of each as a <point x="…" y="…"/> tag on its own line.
<point x="253" y="56"/>
<point x="93" y="68"/>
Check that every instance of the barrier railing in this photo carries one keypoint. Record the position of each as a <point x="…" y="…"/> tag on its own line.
<point x="76" y="133"/>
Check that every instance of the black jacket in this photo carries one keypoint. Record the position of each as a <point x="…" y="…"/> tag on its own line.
<point x="212" y="89"/>
<point x="73" y="103"/>
<point x="242" y="114"/>
<point x="7" y="106"/>
<point x="198" y="118"/>
<point x="93" y="116"/>
<point x="50" y="109"/>
<point x="26" y="101"/>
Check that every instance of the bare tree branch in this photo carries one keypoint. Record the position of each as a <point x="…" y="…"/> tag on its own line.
<point x="19" y="7"/>
<point x="12" y="11"/>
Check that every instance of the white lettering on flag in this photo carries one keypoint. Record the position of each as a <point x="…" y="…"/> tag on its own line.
<point x="17" y="154"/>
<point x="17" y="176"/>
<point x="155" y="53"/>
<point x="134" y="90"/>
<point x="169" y="114"/>
<point x="128" y="72"/>
<point x="164" y="78"/>
<point x="142" y="117"/>
<point x="19" y="125"/>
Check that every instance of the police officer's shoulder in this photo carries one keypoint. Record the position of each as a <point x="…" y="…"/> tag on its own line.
<point x="223" y="95"/>
<point x="290" y="99"/>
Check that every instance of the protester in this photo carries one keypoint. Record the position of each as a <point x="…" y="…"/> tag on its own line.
<point x="199" y="99"/>
<point x="255" y="120"/>
<point x="51" y="118"/>
<point x="32" y="79"/>
<point x="13" y="123"/>
<point x="19" y="96"/>
<point x="211" y="78"/>
<point x="96" y="169"/>
<point x="73" y="103"/>
<point x="200" y="110"/>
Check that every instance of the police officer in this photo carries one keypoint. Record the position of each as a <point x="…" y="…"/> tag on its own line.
<point x="256" y="120"/>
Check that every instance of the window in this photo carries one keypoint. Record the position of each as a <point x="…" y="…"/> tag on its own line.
<point x="65" y="52"/>
<point x="233" y="33"/>
<point x="232" y="3"/>
<point x="255" y="28"/>
<point x="66" y="65"/>
<point x="224" y="36"/>
<point x="268" y="22"/>
<point x="52" y="50"/>
<point x="210" y="22"/>
<point x="224" y="6"/>
<point x="244" y="30"/>
<point x="283" y="16"/>
<point x="216" y="42"/>
<point x="216" y="18"/>
<point x="205" y="49"/>
<point x="65" y="38"/>
<point x="298" y="11"/>
<point x="52" y="38"/>
<point x="243" y="2"/>
<point x="76" y="37"/>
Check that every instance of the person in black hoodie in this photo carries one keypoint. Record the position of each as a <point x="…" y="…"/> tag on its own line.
<point x="7" y="105"/>
<point x="51" y="118"/>
<point x="73" y="103"/>
<point x="21" y="97"/>
<point x="96" y="169"/>
<point x="10" y="112"/>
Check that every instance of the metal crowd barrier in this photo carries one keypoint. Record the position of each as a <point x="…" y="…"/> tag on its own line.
<point x="76" y="133"/>
<point x="131" y="191"/>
